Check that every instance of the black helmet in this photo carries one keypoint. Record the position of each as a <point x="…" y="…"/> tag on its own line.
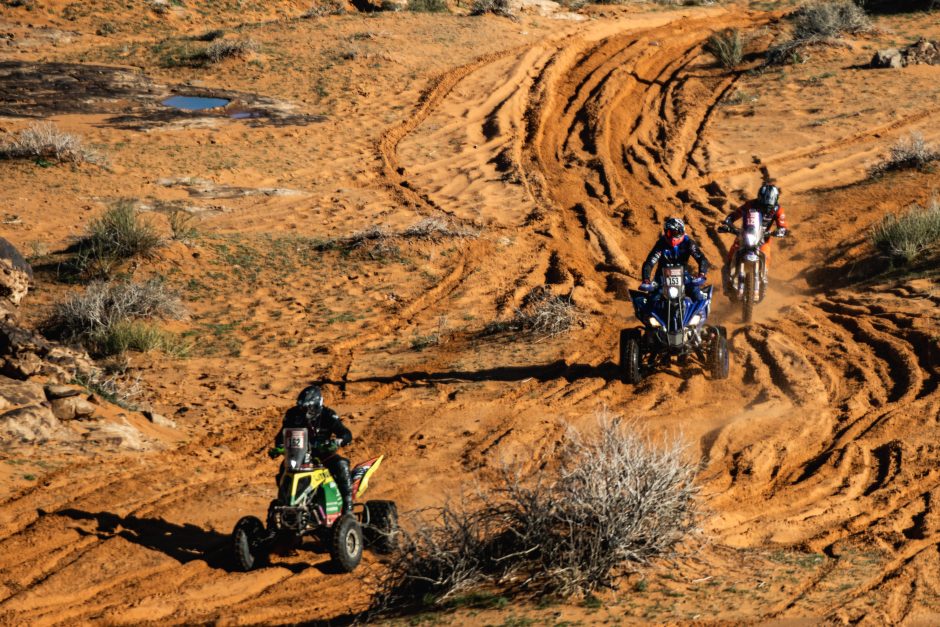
<point x="768" y="196"/>
<point x="311" y="399"/>
<point x="673" y="227"/>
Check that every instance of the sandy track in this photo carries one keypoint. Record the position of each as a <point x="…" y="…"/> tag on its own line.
<point x="576" y="148"/>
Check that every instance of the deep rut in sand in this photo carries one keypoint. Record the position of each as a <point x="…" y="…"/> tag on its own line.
<point x="576" y="148"/>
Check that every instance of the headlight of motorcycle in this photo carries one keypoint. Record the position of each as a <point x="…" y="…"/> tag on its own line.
<point x="694" y="320"/>
<point x="654" y="322"/>
<point x="673" y="292"/>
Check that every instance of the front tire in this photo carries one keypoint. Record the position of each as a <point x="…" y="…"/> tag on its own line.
<point x="630" y="356"/>
<point x="747" y="305"/>
<point x="382" y="531"/>
<point x="249" y="544"/>
<point x="346" y="543"/>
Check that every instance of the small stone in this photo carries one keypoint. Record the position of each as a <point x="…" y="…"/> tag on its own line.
<point x="72" y="408"/>
<point x="158" y="419"/>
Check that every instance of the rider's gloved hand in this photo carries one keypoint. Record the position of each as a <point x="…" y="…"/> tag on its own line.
<point x="275" y="452"/>
<point x="646" y="286"/>
<point x="781" y="232"/>
<point x="701" y="277"/>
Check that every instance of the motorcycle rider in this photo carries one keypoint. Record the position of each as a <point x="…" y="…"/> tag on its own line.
<point x="675" y="247"/>
<point x="767" y="203"/>
<point x="322" y="424"/>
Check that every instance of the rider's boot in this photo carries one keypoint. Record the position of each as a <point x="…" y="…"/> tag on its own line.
<point x="726" y="279"/>
<point x="340" y="472"/>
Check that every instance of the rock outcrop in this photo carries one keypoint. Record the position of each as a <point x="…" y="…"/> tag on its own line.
<point x="923" y="52"/>
<point x="15" y="273"/>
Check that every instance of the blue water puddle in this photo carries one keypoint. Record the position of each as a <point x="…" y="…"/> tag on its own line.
<point x="194" y="103"/>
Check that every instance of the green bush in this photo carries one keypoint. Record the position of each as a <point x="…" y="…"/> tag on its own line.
<point x="114" y="236"/>
<point x="137" y="336"/>
<point x="727" y="47"/>
<point x="908" y="236"/>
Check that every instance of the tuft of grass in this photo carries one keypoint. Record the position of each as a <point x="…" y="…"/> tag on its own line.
<point x="137" y="336"/>
<point x="908" y="236"/>
<point x="116" y="235"/>
<point x="615" y="501"/>
<point x="182" y="225"/>
<point x="111" y="388"/>
<point x="428" y="6"/>
<point x="911" y="152"/>
<point x="43" y="141"/>
<point x="727" y="47"/>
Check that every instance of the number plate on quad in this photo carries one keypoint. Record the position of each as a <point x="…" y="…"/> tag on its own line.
<point x="673" y="277"/>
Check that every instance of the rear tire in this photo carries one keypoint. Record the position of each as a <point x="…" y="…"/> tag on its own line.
<point x="381" y="534"/>
<point x="249" y="544"/>
<point x="747" y="304"/>
<point x="719" y="361"/>
<point x="630" y="356"/>
<point x="346" y="543"/>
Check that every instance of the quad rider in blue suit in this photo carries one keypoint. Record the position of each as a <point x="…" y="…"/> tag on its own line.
<point x="675" y="247"/>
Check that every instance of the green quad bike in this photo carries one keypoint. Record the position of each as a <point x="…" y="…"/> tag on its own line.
<point x="308" y="503"/>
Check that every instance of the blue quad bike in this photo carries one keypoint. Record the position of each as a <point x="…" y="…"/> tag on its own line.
<point x="674" y="327"/>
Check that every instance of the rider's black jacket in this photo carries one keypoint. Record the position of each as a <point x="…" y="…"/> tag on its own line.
<point x="664" y="250"/>
<point x="322" y="428"/>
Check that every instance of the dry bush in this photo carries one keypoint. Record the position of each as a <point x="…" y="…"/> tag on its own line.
<point x="103" y="306"/>
<point x="911" y="152"/>
<point x="46" y="141"/>
<point x="727" y="47"/>
<point x="377" y="241"/>
<point x="819" y="24"/>
<point x="616" y="502"/>
<point x="326" y="7"/>
<point x="542" y="314"/>
<point x="502" y="8"/>
<point x="428" y="6"/>
<point x="908" y="236"/>
<point x="438" y="229"/>
<point x="230" y="48"/>
<point x="830" y="19"/>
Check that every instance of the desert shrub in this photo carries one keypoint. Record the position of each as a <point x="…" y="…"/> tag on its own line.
<point x="428" y="6"/>
<point x="108" y="317"/>
<point x="727" y="47"/>
<point x="103" y="305"/>
<point x="616" y="502"/>
<point x="908" y="236"/>
<point x="496" y="7"/>
<point x="819" y="24"/>
<point x="116" y="235"/>
<point x="229" y="48"/>
<point x="438" y="229"/>
<point x="326" y="7"/>
<point x="45" y="141"/>
<point x="830" y="19"/>
<point x="541" y="314"/>
<point x="911" y="152"/>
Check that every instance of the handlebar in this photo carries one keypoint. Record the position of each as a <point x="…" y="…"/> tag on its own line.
<point x="726" y="228"/>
